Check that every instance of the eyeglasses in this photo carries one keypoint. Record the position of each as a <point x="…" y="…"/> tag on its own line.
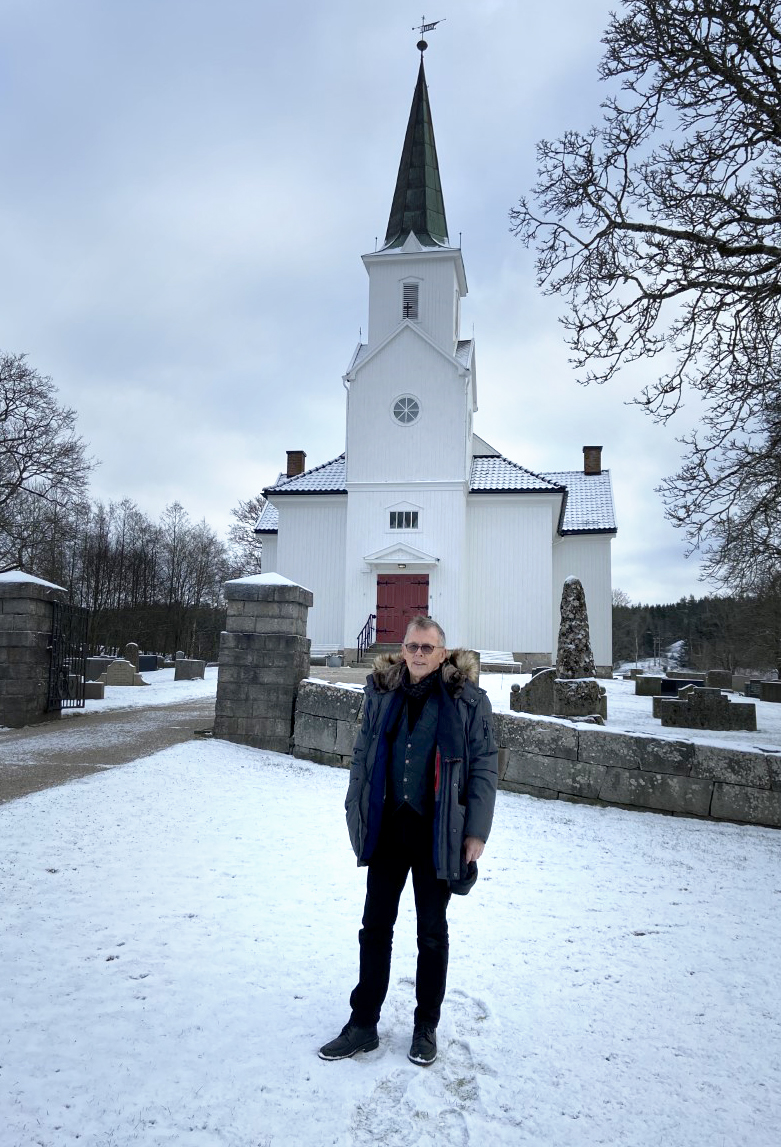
<point x="426" y="650"/>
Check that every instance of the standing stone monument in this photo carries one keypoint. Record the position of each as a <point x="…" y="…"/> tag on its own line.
<point x="131" y="654"/>
<point x="571" y="689"/>
<point x="264" y="654"/>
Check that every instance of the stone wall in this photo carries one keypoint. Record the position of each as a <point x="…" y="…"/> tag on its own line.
<point x="25" y="657"/>
<point x="554" y="759"/>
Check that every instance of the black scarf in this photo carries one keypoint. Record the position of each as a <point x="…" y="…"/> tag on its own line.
<point x="418" y="693"/>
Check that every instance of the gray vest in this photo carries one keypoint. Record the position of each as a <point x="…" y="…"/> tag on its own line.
<point x="411" y="772"/>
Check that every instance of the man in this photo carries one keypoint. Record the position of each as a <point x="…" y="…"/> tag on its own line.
<point x="421" y="800"/>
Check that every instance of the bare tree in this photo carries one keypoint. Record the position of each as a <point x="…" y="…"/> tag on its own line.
<point x="661" y="229"/>
<point x="42" y="459"/>
<point x="245" y="546"/>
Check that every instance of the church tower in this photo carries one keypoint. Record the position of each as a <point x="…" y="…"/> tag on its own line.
<point x="419" y="514"/>
<point x="420" y="364"/>
<point x="411" y="395"/>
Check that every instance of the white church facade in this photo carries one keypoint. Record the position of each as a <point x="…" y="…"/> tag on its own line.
<point x="419" y="514"/>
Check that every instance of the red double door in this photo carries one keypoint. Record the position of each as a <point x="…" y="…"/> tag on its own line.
<point x="400" y="597"/>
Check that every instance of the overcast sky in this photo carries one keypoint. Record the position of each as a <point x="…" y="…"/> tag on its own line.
<point x="188" y="188"/>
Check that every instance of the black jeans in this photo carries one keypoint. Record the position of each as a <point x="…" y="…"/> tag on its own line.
<point x="405" y="843"/>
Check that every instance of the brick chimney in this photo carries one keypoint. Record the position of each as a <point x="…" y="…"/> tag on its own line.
<point x="592" y="459"/>
<point x="296" y="462"/>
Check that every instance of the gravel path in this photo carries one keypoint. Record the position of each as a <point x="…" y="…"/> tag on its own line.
<point x="40" y="756"/>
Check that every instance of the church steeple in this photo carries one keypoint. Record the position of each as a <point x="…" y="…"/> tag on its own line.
<point x="418" y="205"/>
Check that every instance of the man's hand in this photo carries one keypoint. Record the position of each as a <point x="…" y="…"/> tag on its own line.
<point x="473" y="848"/>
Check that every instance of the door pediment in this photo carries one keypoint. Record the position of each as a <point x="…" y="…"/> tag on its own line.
<point x="400" y="554"/>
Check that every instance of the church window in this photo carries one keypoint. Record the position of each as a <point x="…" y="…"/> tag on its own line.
<point x="403" y="519"/>
<point x="409" y="301"/>
<point x="406" y="409"/>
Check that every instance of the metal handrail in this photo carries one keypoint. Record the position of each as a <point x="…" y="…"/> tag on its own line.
<point x="366" y="636"/>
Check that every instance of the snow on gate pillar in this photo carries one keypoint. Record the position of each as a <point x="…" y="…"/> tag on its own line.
<point x="264" y="654"/>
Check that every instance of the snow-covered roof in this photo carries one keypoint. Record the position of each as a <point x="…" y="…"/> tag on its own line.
<point x="494" y="473"/>
<point x="268" y="521"/>
<point x="326" y="479"/>
<point x="588" y="502"/>
<point x="589" y="507"/>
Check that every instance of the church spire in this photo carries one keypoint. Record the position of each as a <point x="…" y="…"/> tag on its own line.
<point x="418" y="205"/>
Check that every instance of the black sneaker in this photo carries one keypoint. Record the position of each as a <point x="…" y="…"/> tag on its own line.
<point x="351" y="1039"/>
<point x="424" y="1045"/>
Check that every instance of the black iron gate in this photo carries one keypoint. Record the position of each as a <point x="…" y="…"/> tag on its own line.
<point x="69" y="657"/>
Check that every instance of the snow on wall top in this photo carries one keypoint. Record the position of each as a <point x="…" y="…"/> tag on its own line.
<point x="15" y="576"/>
<point x="263" y="579"/>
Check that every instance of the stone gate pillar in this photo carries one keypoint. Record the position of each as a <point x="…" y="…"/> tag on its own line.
<point x="25" y="656"/>
<point x="264" y="653"/>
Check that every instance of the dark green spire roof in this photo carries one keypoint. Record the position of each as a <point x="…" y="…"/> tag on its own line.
<point x="417" y="201"/>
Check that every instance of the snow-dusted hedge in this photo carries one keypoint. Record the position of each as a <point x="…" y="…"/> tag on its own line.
<point x="558" y="759"/>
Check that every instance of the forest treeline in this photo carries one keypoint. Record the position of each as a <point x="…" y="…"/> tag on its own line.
<point x="158" y="583"/>
<point x="718" y="632"/>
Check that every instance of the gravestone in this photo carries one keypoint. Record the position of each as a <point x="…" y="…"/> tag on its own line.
<point x="703" y="708"/>
<point x="647" y="686"/>
<point x="96" y="667"/>
<point x="147" y="663"/>
<point x="121" y="672"/>
<point x="536" y="696"/>
<point x="718" y="679"/>
<point x="131" y="654"/>
<point x="188" y="669"/>
<point x="770" y="691"/>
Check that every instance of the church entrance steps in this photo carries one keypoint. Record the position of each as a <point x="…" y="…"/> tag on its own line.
<point x="375" y="650"/>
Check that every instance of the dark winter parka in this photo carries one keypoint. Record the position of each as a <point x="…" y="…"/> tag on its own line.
<point x="465" y="764"/>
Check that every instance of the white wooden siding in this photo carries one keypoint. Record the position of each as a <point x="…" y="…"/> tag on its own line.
<point x="436" y="275"/>
<point x="586" y="556"/>
<point x="431" y="449"/>
<point x="310" y="551"/>
<point x="507" y="586"/>
<point x="269" y="554"/>
<point x="441" y="534"/>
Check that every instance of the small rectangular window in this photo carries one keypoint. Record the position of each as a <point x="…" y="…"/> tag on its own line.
<point x="403" y="519"/>
<point x="409" y="302"/>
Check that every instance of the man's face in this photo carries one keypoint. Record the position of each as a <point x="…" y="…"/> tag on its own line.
<point x="420" y="662"/>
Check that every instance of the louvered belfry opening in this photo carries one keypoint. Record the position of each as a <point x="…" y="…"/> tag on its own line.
<point x="409" y="303"/>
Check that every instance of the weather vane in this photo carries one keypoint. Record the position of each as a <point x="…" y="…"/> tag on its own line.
<point x="424" y="27"/>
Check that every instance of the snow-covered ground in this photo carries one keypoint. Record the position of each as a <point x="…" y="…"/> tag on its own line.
<point x="626" y="712"/>
<point x="161" y="689"/>
<point x="178" y="936"/>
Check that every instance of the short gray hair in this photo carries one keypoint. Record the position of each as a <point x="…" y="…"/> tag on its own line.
<point x="421" y="622"/>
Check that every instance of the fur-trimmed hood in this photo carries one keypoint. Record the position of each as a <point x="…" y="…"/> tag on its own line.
<point x="460" y="666"/>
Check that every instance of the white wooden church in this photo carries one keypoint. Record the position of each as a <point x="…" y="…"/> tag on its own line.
<point x="419" y="514"/>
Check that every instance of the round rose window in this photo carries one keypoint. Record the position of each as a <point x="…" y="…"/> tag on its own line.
<point x="406" y="409"/>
